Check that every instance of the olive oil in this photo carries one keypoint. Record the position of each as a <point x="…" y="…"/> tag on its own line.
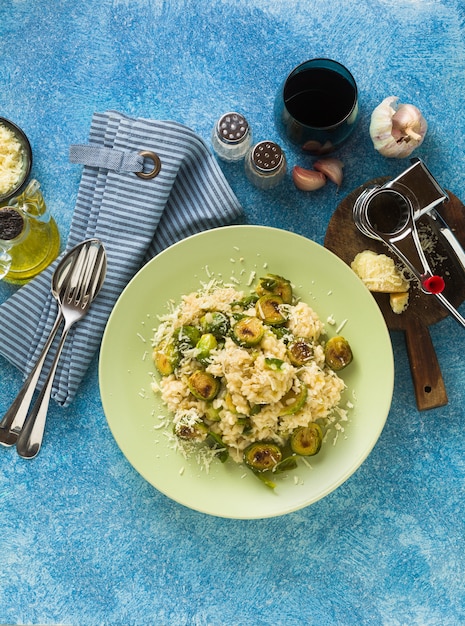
<point x="29" y="236"/>
<point x="35" y="253"/>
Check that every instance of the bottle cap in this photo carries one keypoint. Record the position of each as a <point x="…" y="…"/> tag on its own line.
<point x="11" y="224"/>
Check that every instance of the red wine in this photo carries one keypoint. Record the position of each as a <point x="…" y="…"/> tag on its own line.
<point x="319" y="97"/>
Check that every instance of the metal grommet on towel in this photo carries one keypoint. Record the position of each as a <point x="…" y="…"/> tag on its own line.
<point x="156" y="164"/>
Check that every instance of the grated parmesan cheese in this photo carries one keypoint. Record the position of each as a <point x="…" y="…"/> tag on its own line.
<point x="251" y="278"/>
<point x="11" y="160"/>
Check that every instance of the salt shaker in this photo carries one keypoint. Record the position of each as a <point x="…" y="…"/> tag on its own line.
<point x="265" y="165"/>
<point x="231" y="137"/>
<point x="29" y="237"/>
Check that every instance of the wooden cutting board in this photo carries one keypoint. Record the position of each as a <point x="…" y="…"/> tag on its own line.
<point x="344" y="239"/>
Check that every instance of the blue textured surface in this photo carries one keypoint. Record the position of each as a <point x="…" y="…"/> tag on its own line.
<point x="83" y="539"/>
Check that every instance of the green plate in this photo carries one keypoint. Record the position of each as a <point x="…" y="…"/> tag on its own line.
<point x="237" y="252"/>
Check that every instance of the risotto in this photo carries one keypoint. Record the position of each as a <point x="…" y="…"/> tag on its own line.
<point x="249" y="376"/>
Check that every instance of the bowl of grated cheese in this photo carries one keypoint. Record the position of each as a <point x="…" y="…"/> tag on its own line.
<point x="15" y="159"/>
<point x="235" y="257"/>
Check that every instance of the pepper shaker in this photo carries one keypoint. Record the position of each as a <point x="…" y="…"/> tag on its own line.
<point x="231" y="137"/>
<point x="265" y="165"/>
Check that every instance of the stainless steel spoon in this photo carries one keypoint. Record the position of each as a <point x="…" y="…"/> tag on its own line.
<point x="80" y="287"/>
<point x="13" y="420"/>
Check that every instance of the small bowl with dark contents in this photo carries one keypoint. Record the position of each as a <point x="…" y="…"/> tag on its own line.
<point x="15" y="159"/>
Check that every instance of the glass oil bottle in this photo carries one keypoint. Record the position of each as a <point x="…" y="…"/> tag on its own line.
<point x="29" y="236"/>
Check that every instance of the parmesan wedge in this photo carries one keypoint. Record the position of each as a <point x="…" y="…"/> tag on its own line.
<point x="398" y="301"/>
<point x="379" y="272"/>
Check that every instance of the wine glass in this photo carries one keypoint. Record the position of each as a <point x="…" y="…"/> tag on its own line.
<point x="317" y="106"/>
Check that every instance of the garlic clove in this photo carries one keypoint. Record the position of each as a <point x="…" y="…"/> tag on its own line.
<point x="408" y="124"/>
<point x="331" y="168"/>
<point x="316" y="148"/>
<point x="307" y="180"/>
<point x="312" y="146"/>
<point x="397" y="129"/>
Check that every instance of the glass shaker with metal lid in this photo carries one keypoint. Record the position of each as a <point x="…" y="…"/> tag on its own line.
<point x="265" y="165"/>
<point x="231" y="137"/>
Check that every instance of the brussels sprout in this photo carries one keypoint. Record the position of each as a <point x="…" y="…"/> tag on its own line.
<point x="212" y="414"/>
<point x="264" y="478"/>
<point x="192" y="432"/>
<point x="246" y="302"/>
<point x="262" y="456"/>
<point x="293" y="400"/>
<point x="338" y="353"/>
<point x="187" y="336"/>
<point x="276" y="286"/>
<point x="228" y="401"/>
<point x="283" y="333"/>
<point x="215" y="442"/>
<point x="205" y="345"/>
<point x="289" y="463"/>
<point x="215" y="323"/>
<point x="300" y="352"/>
<point x="203" y="385"/>
<point x="246" y="423"/>
<point x="166" y="358"/>
<point x="269" y="310"/>
<point x="273" y="364"/>
<point x="248" y="331"/>
<point x="306" y="440"/>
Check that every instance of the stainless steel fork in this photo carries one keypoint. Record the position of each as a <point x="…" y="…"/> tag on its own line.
<point x="79" y="290"/>
<point x="13" y="419"/>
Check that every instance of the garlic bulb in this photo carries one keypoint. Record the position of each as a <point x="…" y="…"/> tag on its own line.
<point x="397" y="129"/>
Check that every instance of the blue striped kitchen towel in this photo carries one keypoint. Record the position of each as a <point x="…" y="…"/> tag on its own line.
<point x="135" y="218"/>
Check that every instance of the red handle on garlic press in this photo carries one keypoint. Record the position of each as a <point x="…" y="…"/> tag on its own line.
<point x="434" y="284"/>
